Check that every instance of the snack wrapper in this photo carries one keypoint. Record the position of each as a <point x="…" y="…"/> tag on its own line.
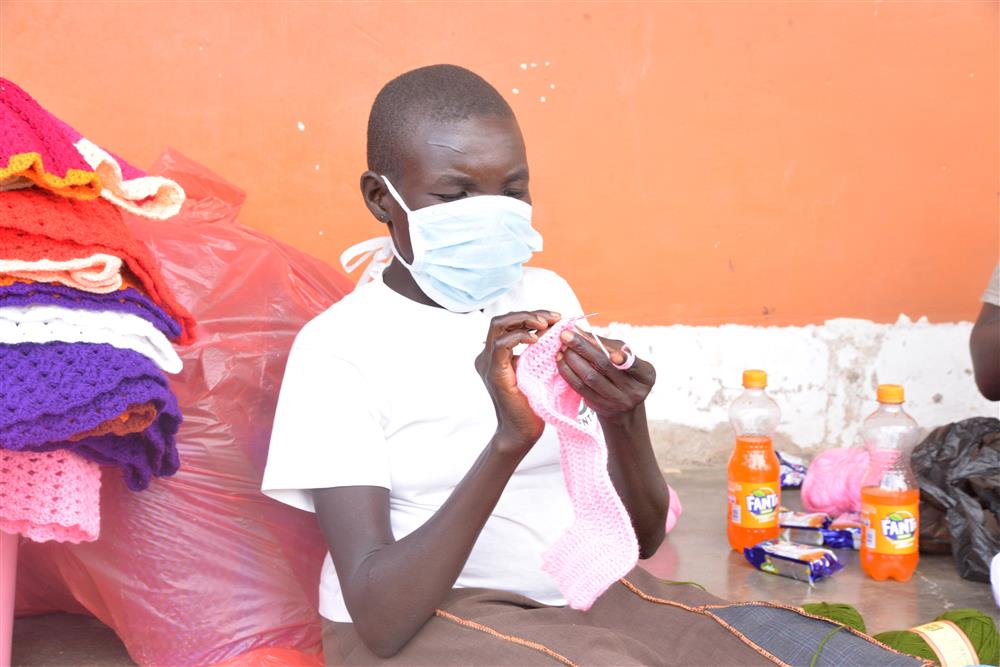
<point x="803" y="527"/>
<point x="843" y="533"/>
<point x="817" y="529"/>
<point x="793" y="470"/>
<point x="795" y="561"/>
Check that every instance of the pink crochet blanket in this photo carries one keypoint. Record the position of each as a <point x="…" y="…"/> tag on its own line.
<point x="50" y="496"/>
<point x="600" y="547"/>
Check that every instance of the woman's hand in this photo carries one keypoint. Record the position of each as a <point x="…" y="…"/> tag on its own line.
<point x="613" y="393"/>
<point x="518" y="427"/>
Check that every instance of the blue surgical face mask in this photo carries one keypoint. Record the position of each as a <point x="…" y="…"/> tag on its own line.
<point x="469" y="252"/>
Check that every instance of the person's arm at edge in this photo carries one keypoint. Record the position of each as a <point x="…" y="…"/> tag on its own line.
<point x="984" y="344"/>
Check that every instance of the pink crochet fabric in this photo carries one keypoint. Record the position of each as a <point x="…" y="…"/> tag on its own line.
<point x="130" y="188"/>
<point x="50" y="496"/>
<point x="600" y="547"/>
<point x="34" y="147"/>
<point x="127" y="170"/>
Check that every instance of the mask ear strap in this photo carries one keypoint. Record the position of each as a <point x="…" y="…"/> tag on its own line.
<point x="395" y="195"/>
<point x="377" y="252"/>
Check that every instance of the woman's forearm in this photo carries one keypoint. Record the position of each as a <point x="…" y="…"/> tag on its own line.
<point x="394" y="588"/>
<point x="637" y="478"/>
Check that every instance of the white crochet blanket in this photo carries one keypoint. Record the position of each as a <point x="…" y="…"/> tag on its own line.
<point x="47" y="324"/>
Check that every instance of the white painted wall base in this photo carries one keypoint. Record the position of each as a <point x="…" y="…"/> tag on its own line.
<point x="823" y="377"/>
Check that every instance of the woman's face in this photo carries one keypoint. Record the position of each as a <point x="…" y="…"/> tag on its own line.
<point x="443" y="161"/>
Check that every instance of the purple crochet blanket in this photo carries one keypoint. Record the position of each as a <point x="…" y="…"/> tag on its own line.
<point x="51" y="391"/>
<point x="129" y="300"/>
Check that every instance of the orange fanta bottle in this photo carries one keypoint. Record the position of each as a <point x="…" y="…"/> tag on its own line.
<point x="889" y="493"/>
<point x="754" y="471"/>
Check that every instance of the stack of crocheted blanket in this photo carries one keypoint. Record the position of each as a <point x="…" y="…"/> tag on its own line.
<point x="86" y="324"/>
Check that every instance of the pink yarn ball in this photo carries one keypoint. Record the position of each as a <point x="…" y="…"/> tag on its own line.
<point x="833" y="482"/>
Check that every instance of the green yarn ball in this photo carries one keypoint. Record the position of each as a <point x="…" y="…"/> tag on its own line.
<point x="906" y="642"/>
<point x="837" y="612"/>
<point x="977" y="626"/>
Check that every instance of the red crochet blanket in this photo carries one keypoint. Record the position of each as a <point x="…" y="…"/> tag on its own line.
<point x="35" y="224"/>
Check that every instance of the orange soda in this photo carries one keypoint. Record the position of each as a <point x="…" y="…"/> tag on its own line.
<point x="754" y="479"/>
<point x="889" y="493"/>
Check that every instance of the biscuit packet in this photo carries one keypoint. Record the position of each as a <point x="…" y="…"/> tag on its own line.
<point x="796" y="561"/>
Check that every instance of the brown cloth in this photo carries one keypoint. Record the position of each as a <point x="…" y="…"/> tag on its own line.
<point x="639" y="621"/>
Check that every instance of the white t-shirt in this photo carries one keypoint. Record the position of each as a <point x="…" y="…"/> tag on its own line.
<point x="992" y="293"/>
<point x="382" y="391"/>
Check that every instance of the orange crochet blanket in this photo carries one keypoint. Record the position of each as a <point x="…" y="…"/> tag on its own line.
<point x="135" y="419"/>
<point x="35" y="224"/>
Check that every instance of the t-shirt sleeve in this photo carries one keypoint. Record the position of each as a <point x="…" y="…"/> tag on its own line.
<point x="543" y="289"/>
<point x="326" y="432"/>
<point x="992" y="293"/>
<point x="568" y="303"/>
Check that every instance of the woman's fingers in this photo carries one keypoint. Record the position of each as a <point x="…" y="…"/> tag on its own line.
<point x="641" y="371"/>
<point x="593" y="380"/>
<point x="588" y="351"/>
<point x="505" y="343"/>
<point x="595" y="401"/>
<point x="614" y="347"/>
<point x="539" y="320"/>
<point x="502" y="362"/>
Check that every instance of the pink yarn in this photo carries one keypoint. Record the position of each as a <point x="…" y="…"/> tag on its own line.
<point x="128" y="171"/>
<point x="600" y="547"/>
<point x="995" y="578"/>
<point x="674" y="512"/>
<point x="50" y="496"/>
<point x="27" y="128"/>
<point x="833" y="481"/>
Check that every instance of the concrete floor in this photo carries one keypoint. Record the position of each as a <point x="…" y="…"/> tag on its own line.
<point x="696" y="551"/>
<point x="66" y="640"/>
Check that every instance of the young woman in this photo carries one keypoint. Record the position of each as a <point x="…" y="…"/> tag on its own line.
<point x="401" y="426"/>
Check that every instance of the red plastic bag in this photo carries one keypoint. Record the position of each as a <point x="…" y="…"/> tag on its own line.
<point x="201" y="568"/>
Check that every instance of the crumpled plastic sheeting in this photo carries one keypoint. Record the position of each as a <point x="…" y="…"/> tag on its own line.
<point x="958" y="470"/>
<point x="201" y="568"/>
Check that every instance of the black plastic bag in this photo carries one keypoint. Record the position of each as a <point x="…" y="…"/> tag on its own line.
<point x="958" y="469"/>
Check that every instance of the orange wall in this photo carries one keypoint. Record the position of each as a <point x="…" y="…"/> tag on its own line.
<point x="696" y="163"/>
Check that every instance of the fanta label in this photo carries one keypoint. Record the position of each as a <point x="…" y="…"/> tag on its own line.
<point x="753" y="504"/>
<point x="891" y="529"/>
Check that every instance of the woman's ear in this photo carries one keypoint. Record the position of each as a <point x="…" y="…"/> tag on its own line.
<point x="374" y="192"/>
<point x="385" y="209"/>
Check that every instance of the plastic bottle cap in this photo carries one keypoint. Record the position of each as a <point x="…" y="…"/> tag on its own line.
<point x="754" y="379"/>
<point x="890" y="393"/>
